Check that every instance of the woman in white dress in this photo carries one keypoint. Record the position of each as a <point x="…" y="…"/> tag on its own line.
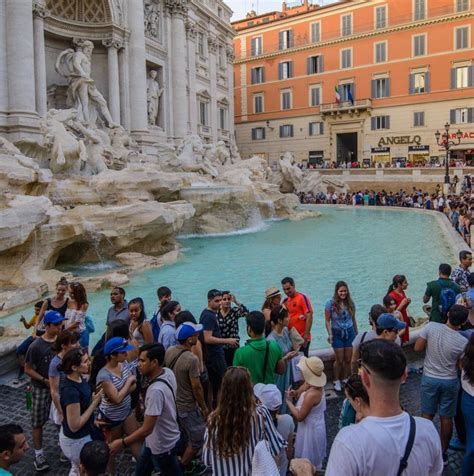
<point x="309" y="411"/>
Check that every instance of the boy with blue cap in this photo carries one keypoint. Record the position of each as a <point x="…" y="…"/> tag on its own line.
<point x="388" y="327"/>
<point x="38" y="358"/>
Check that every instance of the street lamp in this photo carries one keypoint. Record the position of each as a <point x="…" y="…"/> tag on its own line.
<point x="446" y="143"/>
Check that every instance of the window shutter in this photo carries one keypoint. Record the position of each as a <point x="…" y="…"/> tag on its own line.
<point x="470" y="113"/>
<point x="321" y="128"/>
<point x="310" y="128"/>
<point x="290" y="38"/>
<point x="263" y="74"/>
<point x="280" y="70"/>
<point x="469" y="77"/>
<point x="387" y="122"/>
<point x="387" y="87"/>
<point x="353" y="91"/>
<point x="254" y="46"/>
<point x="427" y="82"/>
<point x="280" y="40"/>
<point x="411" y="84"/>
<point x="291" y="130"/>
<point x="310" y="65"/>
<point x="374" y="89"/>
<point x="452" y="116"/>
<point x="373" y="123"/>
<point x="453" y="78"/>
<point x="281" y="131"/>
<point x="263" y="132"/>
<point x="254" y="133"/>
<point x="320" y="63"/>
<point x="253" y="76"/>
<point x="290" y="69"/>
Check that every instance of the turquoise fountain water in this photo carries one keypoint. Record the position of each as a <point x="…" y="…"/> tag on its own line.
<point x="363" y="247"/>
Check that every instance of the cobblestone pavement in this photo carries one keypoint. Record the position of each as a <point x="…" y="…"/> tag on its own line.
<point x="13" y="409"/>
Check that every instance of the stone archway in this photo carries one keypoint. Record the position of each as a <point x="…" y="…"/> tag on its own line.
<point x="84" y="11"/>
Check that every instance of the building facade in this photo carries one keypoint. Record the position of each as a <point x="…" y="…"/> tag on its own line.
<point x="163" y="66"/>
<point x="357" y="80"/>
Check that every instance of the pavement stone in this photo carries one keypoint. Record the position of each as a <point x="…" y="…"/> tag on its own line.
<point x="13" y="409"/>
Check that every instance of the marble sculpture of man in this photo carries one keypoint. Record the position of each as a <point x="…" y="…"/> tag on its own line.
<point x="154" y="93"/>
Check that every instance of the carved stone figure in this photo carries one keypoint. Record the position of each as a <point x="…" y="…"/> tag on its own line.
<point x="154" y="93"/>
<point x="82" y="93"/>
<point x="152" y="19"/>
<point x="222" y="154"/>
<point x="191" y="157"/>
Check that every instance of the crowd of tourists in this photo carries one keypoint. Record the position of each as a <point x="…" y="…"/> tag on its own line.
<point x="185" y="397"/>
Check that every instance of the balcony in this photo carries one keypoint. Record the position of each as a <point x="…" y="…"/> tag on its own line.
<point x="336" y="109"/>
<point x="223" y="134"/>
<point x="204" y="130"/>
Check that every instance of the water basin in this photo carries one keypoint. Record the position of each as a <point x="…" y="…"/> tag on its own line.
<point x="363" y="247"/>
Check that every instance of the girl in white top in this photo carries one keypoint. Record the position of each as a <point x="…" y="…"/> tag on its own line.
<point x="76" y="307"/>
<point x="309" y="411"/>
<point x="140" y="327"/>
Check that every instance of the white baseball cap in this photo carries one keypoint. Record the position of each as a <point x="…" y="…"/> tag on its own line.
<point x="269" y="395"/>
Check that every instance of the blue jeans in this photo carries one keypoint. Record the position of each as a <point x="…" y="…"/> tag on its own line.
<point x="167" y="463"/>
<point x="467" y="405"/>
<point x="439" y="396"/>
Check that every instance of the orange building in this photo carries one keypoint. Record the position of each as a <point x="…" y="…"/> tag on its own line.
<point x="357" y="80"/>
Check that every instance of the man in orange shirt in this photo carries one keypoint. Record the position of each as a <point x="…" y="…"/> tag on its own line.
<point x="300" y="311"/>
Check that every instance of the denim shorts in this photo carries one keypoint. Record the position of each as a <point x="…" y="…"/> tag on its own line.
<point x="194" y="426"/>
<point x="439" y="396"/>
<point x="342" y="339"/>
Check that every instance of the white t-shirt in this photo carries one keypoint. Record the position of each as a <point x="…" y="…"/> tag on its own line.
<point x="375" y="447"/>
<point x="160" y="402"/>
<point x="285" y="426"/>
<point x="369" y="335"/>
<point x="444" y="347"/>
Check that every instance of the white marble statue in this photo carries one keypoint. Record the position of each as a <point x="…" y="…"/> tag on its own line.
<point x="222" y="154"/>
<point x="152" y="19"/>
<point x="82" y="93"/>
<point x="191" y="157"/>
<point x="153" y="92"/>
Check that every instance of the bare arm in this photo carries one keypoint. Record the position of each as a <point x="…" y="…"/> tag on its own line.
<point x="75" y="420"/>
<point x="137" y="436"/>
<point x="210" y="339"/>
<point x="311" y="398"/>
<point x="327" y="319"/>
<point x="198" y="393"/>
<point x="116" y="396"/>
<point x="147" y="333"/>
<point x="41" y="315"/>
<point x="32" y="373"/>
<point x="426" y="298"/>
<point x="54" y="386"/>
<point x="354" y="360"/>
<point x="309" y="323"/>
<point x="280" y="367"/>
<point x="420" y="344"/>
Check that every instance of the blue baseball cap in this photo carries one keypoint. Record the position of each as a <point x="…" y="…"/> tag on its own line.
<point x="117" y="345"/>
<point x="187" y="329"/>
<point x="53" y="317"/>
<point x="389" y="321"/>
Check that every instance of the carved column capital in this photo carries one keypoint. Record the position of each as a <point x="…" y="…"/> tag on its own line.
<point x="191" y="29"/>
<point x="213" y="44"/>
<point x="39" y="10"/>
<point x="230" y="54"/>
<point x="113" y="43"/>
<point x="177" y="7"/>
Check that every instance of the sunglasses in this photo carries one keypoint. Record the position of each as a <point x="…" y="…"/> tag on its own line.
<point x="361" y="364"/>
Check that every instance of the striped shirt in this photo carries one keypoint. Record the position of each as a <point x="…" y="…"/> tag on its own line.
<point x="112" y="411"/>
<point x="241" y="464"/>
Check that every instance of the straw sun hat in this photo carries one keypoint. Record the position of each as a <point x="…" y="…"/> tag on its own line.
<point x="272" y="292"/>
<point x="312" y="369"/>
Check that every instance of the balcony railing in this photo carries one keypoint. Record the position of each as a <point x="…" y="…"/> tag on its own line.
<point x="406" y="18"/>
<point x="346" y="106"/>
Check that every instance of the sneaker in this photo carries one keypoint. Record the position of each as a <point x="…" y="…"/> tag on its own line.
<point x="337" y="386"/>
<point x="63" y="458"/>
<point x="195" y="468"/>
<point x="40" y="463"/>
<point x="456" y="445"/>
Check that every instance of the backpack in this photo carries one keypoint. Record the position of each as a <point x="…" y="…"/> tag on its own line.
<point x="155" y="327"/>
<point x="447" y="298"/>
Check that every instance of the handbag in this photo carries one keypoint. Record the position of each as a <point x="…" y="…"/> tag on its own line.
<point x="263" y="463"/>
<point x="296" y="339"/>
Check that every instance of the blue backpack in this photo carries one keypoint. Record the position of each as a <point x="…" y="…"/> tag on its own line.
<point x="447" y="298"/>
<point x="155" y="326"/>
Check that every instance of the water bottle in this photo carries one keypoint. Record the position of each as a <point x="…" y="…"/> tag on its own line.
<point x="29" y="397"/>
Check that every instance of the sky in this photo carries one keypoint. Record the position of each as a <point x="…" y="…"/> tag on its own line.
<point x="241" y="7"/>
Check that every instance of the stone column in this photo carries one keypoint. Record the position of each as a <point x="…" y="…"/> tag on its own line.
<point x="113" y="46"/>
<point x="124" y="89"/>
<point x="213" y="66"/>
<point x="137" y="67"/>
<point x="230" y="86"/>
<point x="179" y="11"/>
<point x="3" y="65"/>
<point x="21" y="67"/>
<point x="39" y="11"/>
<point x="192" y="34"/>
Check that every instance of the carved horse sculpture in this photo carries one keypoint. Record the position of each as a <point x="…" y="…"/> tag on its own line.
<point x="191" y="157"/>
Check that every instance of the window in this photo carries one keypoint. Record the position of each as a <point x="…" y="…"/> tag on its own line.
<point x="418" y="119"/>
<point x="381" y="17"/>
<point x="258" y="75"/>
<point x="462" y="115"/>
<point x="286" y="130"/>
<point x="203" y="113"/>
<point x="219" y="12"/>
<point x="285" y="100"/>
<point x="381" y="52"/>
<point x="347" y="92"/>
<point x="419" y="83"/>
<point x="201" y="48"/>
<point x="258" y="133"/>
<point x="314" y="95"/>
<point x="462" y="5"/>
<point x="381" y="88"/>
<point x="419" y="46"/>
<point x="346" y="25"/>
<point x="380" y="122"/>
<point x="461" y="77"/>
<point x="346" y="58"/>
<point x="419" y="9"/>
<point x="258" y="103"/>
<point x="222" y="118"/>
<point x="222" y="57"/>
<point x="256" y="45"/>
<point x="285" y="39"/>
<point x="316" y="128"/>
<point x="462" y="38"/>
<point x="315" y="32"/>
<point x="285" y="70"/>
<point x="315" y="64"/>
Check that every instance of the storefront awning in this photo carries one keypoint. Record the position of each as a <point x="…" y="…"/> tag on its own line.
<point x="463" y="146"/>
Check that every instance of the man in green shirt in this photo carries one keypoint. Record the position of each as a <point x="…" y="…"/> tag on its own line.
<point x="13" y="446"/>
<point x="434" y="289"/>
<point x="260" y="357"/>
